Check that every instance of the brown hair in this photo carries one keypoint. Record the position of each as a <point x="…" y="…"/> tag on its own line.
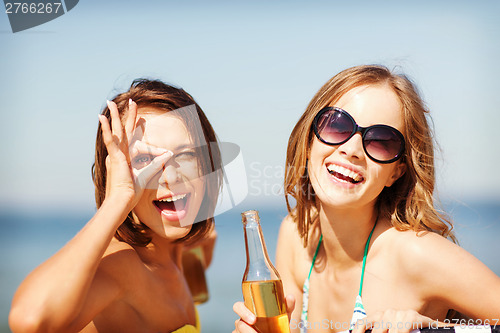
<point x="409" y="202"/>
<point x="164" y="97"/>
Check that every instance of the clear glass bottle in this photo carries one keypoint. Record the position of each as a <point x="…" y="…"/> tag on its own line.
<point x="262" y="287"/>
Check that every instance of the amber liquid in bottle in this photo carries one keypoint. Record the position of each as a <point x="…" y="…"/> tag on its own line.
<point x="194" y="272"/>
<point x="262" y="287"/>
<point x="266" y="300"/>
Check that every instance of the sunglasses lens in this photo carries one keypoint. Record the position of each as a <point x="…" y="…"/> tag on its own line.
<point x="383" y="143"/>
<point x="334" y="127"/>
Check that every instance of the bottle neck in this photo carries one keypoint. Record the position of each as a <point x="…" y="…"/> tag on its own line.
<point x="258" y="264"/>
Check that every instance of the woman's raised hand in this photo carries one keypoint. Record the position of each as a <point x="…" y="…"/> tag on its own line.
<point x="125" y="179"/>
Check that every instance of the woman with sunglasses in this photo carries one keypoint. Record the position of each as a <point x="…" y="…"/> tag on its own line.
<point x="157" y="177"/>
<point x="364" y="243"/>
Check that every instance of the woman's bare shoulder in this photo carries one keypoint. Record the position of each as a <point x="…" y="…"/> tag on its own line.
<point x="443" y="270"/>
<point x="411" y="248"/>
<point x="290" y="252"/>
<point x="120" y="261"/>
<point x="421" y="245"/>
<point x="289" y="237"/>
<point x="289" y="227"/>
<point x="423" y="255"/>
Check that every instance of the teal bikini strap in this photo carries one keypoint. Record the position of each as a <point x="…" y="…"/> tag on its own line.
<point x="314" y="257"/>
<point x="364" y="259"/>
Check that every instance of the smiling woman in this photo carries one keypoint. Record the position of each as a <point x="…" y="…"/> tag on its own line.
<point x="177" y="193"/>
<point x="364" y="246"/>
<point x="157" y="174"/>
<point x="163" y="109"/>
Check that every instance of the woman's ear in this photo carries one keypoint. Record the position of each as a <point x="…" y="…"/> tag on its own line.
<point x="398" y="172"/>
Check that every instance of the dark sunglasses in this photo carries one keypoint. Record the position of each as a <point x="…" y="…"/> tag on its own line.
<point x="382" y="143"/>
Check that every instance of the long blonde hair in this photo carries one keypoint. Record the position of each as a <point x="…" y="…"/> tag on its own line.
<point x="409" y="202"/>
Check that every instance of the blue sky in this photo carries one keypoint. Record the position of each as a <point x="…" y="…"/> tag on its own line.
<point x="253" y="67"/>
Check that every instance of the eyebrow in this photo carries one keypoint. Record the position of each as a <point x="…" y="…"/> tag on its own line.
<point x="184" y="146"/>
<point x="179" y="147"/>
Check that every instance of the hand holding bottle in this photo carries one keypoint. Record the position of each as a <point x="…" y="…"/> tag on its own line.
<point x="261" y="286"/>
<point x="247" y="319"/>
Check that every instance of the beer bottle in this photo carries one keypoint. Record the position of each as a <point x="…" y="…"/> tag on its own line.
<point x="262" y="286"/>
<point x="193" y="262"/>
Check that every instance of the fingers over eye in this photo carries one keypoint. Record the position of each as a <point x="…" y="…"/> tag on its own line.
<point x="140" y="147"/>
<point x="107" y="136"/>
<point x="131" y="117"/>
<point x="116" y="124"/>
<point x="143" y="176"/>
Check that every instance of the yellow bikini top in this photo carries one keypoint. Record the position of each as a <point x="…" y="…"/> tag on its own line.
<point x="190" y="328"/>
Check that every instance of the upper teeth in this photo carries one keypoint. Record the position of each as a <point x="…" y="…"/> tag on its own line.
<point x="173" y="198"/>
<point x="346" y="172"/>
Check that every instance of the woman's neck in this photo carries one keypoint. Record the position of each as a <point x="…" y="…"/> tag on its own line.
<point x="345" y="232"/>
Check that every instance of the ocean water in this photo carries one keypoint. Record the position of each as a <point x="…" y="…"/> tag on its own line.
<point x="26" y="241"/>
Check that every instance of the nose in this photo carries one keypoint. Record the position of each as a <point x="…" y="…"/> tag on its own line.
<point x="170" y="175"/>
<point x="352" y="148"/>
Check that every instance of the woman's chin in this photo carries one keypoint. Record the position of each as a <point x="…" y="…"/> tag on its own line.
<point x="175" y="233"/>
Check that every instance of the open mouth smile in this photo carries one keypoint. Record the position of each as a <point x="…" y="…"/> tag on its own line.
<point x="173" y="207"/>
<point x="344" y="175"/>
